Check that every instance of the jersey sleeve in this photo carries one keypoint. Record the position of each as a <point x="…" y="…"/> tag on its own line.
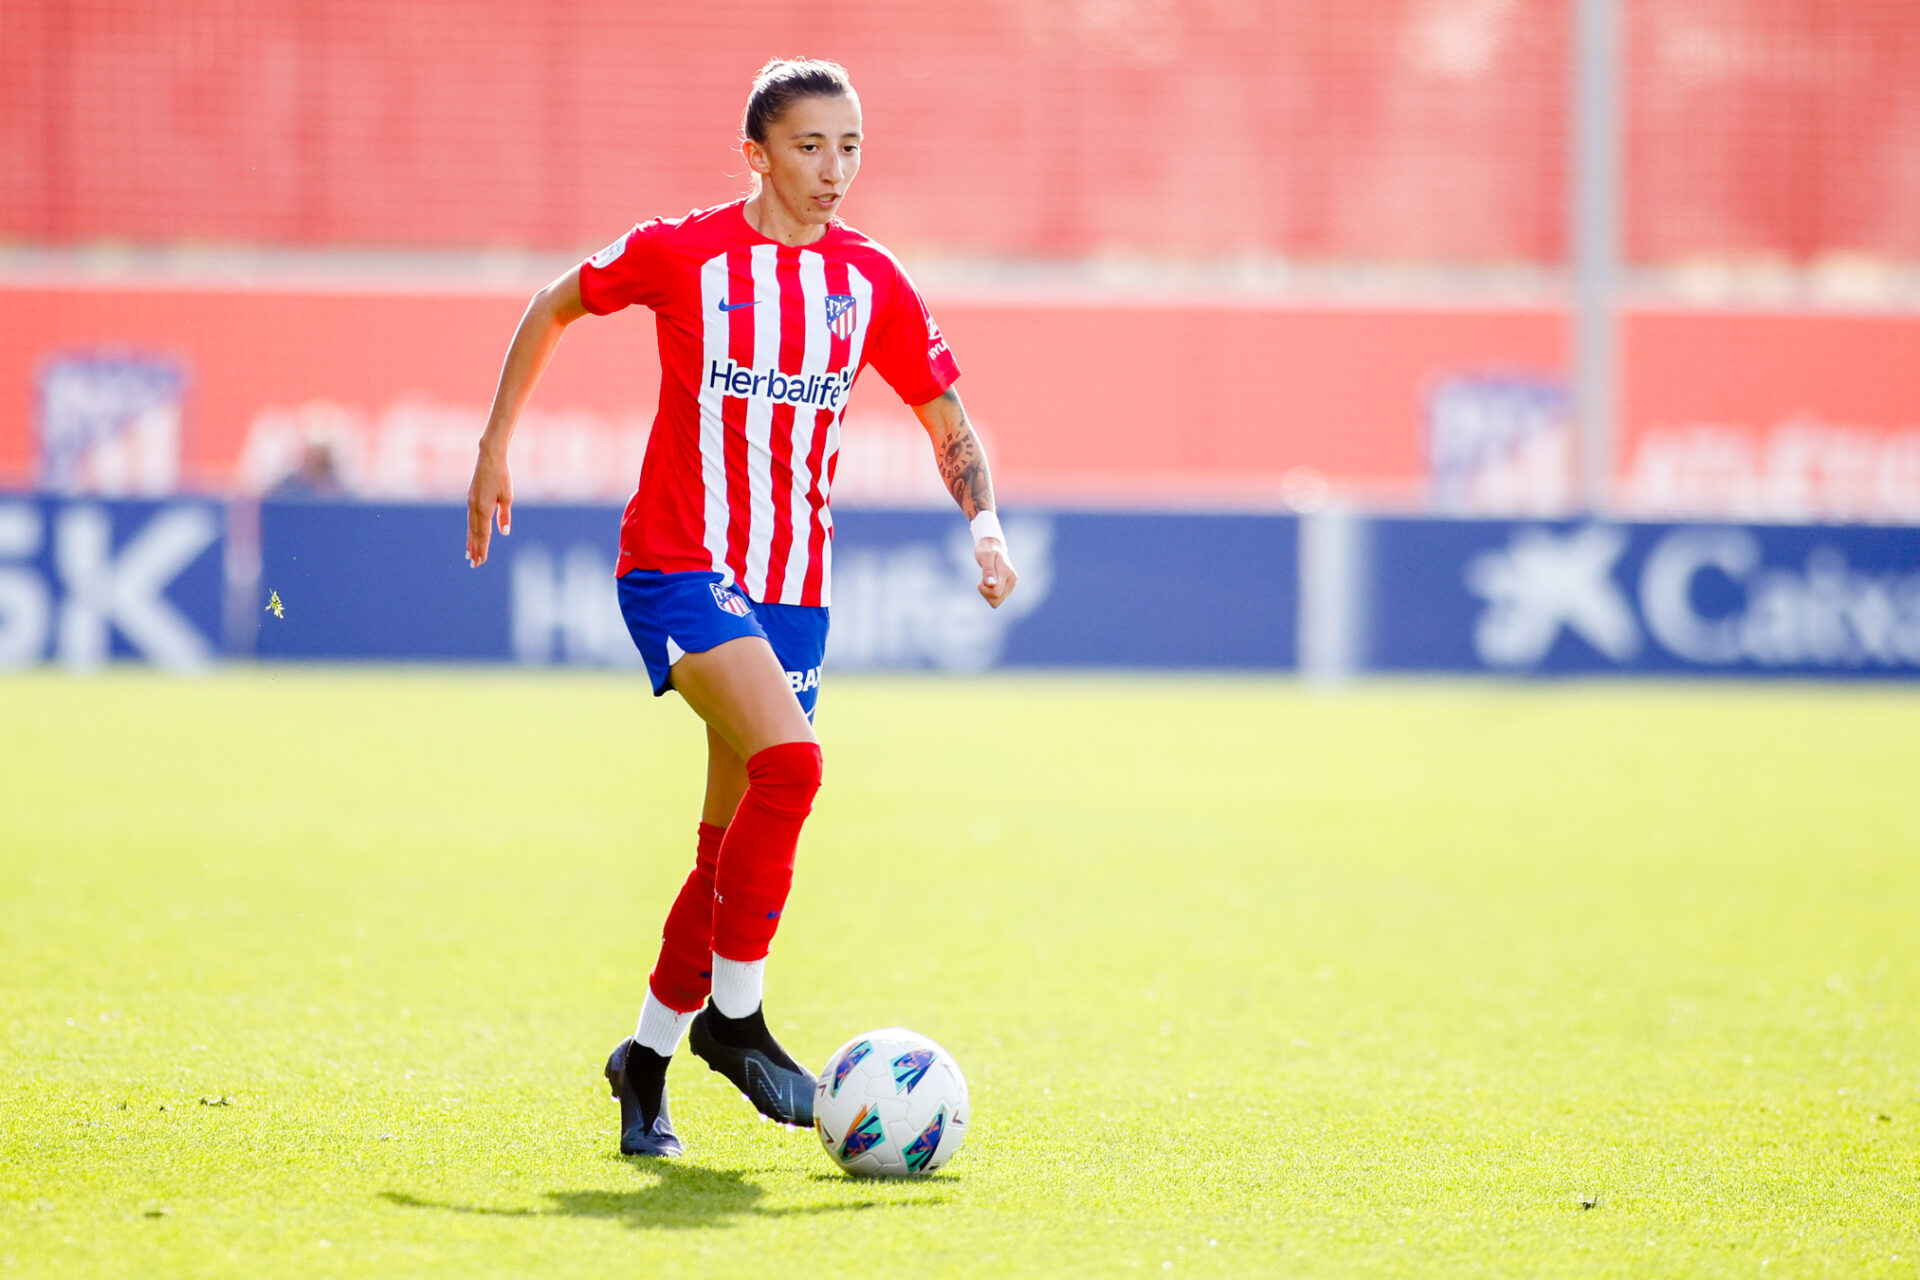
<point x="631" y="269"/>
<point x="907" y="347"/>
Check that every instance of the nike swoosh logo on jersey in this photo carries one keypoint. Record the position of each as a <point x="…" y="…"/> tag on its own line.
<point x="735" y="306"/>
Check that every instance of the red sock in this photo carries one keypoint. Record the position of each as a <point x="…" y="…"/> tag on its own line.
<point x="683" y="974"/>
<point x="756" y="858"/>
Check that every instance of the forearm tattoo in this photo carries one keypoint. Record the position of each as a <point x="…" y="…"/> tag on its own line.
<point x="964" y="468"/>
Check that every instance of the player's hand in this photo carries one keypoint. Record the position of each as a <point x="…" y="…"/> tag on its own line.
<point x="491" y="491"/>
<point x="996" y="571"/>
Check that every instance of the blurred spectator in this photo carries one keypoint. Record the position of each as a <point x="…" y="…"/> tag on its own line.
<point x="317" y="478"/>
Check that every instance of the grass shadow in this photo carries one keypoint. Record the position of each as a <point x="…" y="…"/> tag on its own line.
<point x="681" y="1196"/>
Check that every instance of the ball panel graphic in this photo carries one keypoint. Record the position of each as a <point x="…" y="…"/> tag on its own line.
<point x="845" y="1061"/>
<point x="890" y="1103"/>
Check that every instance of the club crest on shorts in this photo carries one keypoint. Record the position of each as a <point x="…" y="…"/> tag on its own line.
<point x="729" y="600"/>
<point x="841" y="314"/>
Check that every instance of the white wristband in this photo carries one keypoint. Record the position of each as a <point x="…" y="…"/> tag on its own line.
<point x="986" y="525"/>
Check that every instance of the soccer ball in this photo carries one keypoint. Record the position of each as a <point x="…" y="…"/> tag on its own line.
<point x="890" y="1104"/>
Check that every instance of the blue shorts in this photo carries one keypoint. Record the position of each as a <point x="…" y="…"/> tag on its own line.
<point x="671" y="614"/>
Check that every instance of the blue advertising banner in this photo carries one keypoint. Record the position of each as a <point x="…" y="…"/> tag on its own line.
<point x="370" y="582"/>
<point x="1572" y="598"/>
<point x="1096" y="589"/>
<point x="390" y="582"/>
<point x="179" y="583"/>
<point x="84" y="581"/>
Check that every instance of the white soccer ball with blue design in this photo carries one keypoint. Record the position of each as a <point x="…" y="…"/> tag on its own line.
<point x="890" y="1104"/>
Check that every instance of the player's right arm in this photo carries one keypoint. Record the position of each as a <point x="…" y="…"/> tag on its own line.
<point x="547" y="316"/>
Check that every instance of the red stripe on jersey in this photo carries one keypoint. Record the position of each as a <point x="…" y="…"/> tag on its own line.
<point x="793" y="344"/>
<point x="740" y="322"/>
<point x="820" y="478"/>
<point x="819" y="486"/>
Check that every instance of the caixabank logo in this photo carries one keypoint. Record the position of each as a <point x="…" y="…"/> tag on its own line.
<point x="84" y="582"/>
<point x="1733" y="598"/>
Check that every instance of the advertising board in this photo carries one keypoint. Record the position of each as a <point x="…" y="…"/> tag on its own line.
<point x="389" y="582"/>
<point x="183" y="583"/>
<point x="129" y="391"/>
<point x="83" y="583"/>
<point x="1576" y="598"/>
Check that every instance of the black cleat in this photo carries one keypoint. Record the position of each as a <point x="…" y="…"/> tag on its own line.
<point x="644" y="1130"/>
<point x="745" y="1052"/>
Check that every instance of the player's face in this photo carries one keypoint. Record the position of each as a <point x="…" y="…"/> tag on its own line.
<point x="810" y="157"/>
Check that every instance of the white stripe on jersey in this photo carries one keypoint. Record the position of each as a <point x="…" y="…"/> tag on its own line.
<point x="759" y="425"/>
<point x="819" y="348"/>
<point x="713" y="430"/>
<point x="863" y="309"/>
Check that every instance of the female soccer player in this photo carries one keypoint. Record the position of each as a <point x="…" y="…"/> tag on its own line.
<point x="766" y="311"/>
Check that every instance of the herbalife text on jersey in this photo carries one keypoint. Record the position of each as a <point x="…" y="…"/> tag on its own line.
<point x="818" y="390"/>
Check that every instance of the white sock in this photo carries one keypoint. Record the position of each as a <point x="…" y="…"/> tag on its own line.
<point x="737" y="985"/>
<point x="660" y="1028"/>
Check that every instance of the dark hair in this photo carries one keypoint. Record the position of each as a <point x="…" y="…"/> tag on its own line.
<point x="782" y="81"/>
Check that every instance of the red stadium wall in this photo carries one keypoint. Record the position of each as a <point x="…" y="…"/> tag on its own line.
<point x="1366" y="129"/>
<point x="1783" y="413"/>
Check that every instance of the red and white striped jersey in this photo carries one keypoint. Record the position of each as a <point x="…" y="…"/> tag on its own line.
<point x="760" y="344"/>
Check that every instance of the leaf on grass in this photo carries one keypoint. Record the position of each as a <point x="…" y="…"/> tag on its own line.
<point x="221" y="1101"/>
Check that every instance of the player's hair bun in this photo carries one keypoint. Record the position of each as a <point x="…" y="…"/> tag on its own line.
<point x="784" y="79"/>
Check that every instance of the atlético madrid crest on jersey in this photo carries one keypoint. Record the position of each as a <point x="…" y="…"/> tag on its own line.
<point x="841" y="313"/>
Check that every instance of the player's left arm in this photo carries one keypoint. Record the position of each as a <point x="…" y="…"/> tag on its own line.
<point x="963" y="468"/>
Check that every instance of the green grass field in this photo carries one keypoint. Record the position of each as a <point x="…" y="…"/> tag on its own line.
<point x="312" y="973"/>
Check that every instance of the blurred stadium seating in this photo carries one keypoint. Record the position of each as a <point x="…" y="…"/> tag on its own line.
<point x="1365" y="130"/>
